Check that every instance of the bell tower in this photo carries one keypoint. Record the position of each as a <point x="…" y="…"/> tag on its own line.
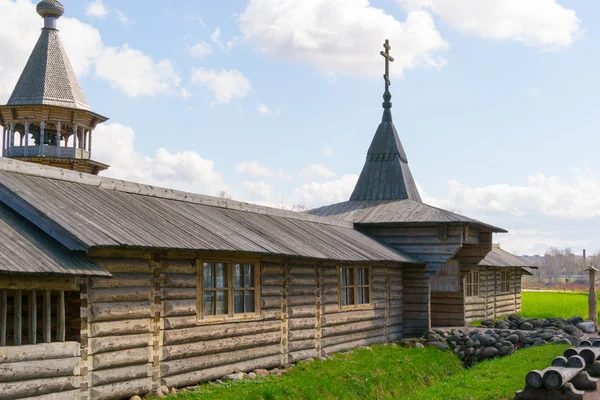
<point x="47" y="119"/>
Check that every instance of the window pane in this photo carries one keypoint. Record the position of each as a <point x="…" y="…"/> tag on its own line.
<point x="209" y="278"/>
<point x="249" y="301"/>
<point x="360" y="299"/>
<point x="343" y="281"/>
<point x="350" y="295"/>
<point x="221" y="275"/>
<point x="221" y="302"/>
<point x="364" y="294"/>
<point x="350" y="276"/>
<point x="359" y="276"/>
<point x="238" y="301"/>
<point x="248" y="275"/>
<point x="209" y="303"/>
<point x="343" y="298"/>
<point x="237" y="275"/>
<point x="366" y="276"/>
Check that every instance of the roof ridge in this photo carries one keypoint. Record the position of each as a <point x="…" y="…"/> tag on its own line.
<point x="44" y="171"/>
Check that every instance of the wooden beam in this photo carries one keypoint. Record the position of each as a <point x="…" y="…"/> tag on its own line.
<point x="32" y="332"/>
<point x="3" y="316"/>
<point x="47" y="317"/>
<point x="18" y="334"/>
<point x="60" y="317"/>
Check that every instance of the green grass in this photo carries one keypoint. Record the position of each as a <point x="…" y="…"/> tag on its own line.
<point x="390" y="373"/>
<point x="554" y="304"/>
<point x="386" y="372"/>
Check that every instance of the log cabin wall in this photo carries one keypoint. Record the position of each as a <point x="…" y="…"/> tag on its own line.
<point x="144" y="329"/>
<point x="492" y="303"/>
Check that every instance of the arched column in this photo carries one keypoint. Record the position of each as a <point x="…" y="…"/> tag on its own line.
<point x="11" y="141"/>
<point x="58" y="126"/>
<point x="90" y="143"/>
<point x="42" y="137"/>
<point x="26" y="134"/>
<point x="74" y="140"/>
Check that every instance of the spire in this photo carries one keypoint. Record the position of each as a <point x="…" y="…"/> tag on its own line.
<point x="48" y="77"/>
<point x="386" y="175"/>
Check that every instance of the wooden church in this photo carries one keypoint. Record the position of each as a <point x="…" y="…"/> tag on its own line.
<point x="111" y="288"/>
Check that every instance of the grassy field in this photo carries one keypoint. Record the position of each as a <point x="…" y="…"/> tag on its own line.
<point x="389" y="372"/>
<point x="554" y="304"/>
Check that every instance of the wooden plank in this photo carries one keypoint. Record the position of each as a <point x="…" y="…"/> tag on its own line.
<point x="60" y="317"/>
<point x="32" y="314"/>
<point x="47" y="317"/>
<point x="3" y="315"/>
<point x="18" y="334"/>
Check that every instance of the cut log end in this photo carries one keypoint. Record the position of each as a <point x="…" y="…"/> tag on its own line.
<point x="560" y="361"/>
<point x="552" y="380"/>
<point x="534" y="379"/>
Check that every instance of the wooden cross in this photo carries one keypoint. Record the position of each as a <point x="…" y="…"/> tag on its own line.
<point x="388" y="58"/>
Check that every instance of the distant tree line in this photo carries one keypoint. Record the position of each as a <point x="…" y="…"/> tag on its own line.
<point x="560" y="267"/>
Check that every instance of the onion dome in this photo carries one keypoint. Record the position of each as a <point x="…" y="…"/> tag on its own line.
<point x="50" y="9"/>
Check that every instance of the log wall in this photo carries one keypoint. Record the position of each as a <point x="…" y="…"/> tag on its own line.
<point x="491" y="302"/>
<point x="143" y="329"/>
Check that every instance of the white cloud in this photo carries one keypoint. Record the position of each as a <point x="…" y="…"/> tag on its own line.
<point x="253" y="168"/>
<point x="137" y="74"/>
<point x="316" y="171"/>
<point x="341" y="35"/>
<point x="327" y="150"/>
<point x="215" y="37"/>
<point x="534" y="92"/>
<point x="123" y="67"/>
<point x="541" y="23"/>
<point x="200" y="49"/>
<point x="225" y="84"/>
<point x="259" y="190"/>
<point x="315" y="194"/>
<point x="124" y="19"/>
<point x="95" y="8"/>
<point x="187" y="170"/>
<point x="266" y="110"/>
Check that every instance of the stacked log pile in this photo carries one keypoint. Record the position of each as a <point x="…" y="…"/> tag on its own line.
<point x="574" y="376"/>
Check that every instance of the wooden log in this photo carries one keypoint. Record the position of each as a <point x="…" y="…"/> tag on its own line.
<point x="120" y="358"/>
<point x="124" y="374"/>
<point x="18" y="315"/>
<point x="22" y="371"/>
<point x="122" y="390"/>
<point x="66" y="395"/>
<point x="352" y="316"/>
<point x="14" y="282"/>
<point x="60" y="318"/>
<point x="351" y="337"/>
<point x="301" y="323"/>
<point x="3" y="316"/>
<point x="302" y="311"/>
<point x="219" y="345"/>
<point x="208" y="332"/>
<point x="32" y="314"/>
<point x="188" y="364"/>
<point x="179" y="307"/>
<point x="114" y="343"/>
<point x="353" y="327"/>
<point x="296" y="356"/>
<point x="295" y="301"/>
<point x="271" y="291"/>
<point x="121" y="294"/>
<point x="298" y="345"/>
<point x="195" y="377"/>
<point x="38" y="387"/>
<point x="127" y="327"/>
<point x="354" y="344"/>
<point x="181" y="280"/>
<point x="122" y="280"/>
<point x="179" y="293"/>
<point x="39" y="352"/>
<point x="47" y="317"/>
<point x="555" y="377"/>
<point x="120" y="311"/>
<point x="589" y="354"/>
<point x="302" y="334"/>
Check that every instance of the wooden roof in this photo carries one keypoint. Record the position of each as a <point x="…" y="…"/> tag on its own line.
<point x="84" y="212"/>
<point x="386" y="175"/>
<point x="24" y="249"/>
<point x="503" y="259"/>
<point x="390" y="212"/>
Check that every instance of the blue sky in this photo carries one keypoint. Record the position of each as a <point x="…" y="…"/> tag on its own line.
<point x="276" y="101"/>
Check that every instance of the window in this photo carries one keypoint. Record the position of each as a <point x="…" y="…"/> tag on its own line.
<point x="354" y="286"/>
<point x="38" y="316"/>
<point x="227" y="289"/>
<point x="505" y="281"/>
<point x="472" y="283"/>
<point x="447" y="279"/>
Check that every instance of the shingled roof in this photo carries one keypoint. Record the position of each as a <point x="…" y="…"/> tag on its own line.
<point x="84" y="212"/>
<point x="24" y="249"/>
<point x="48" y="77"/>
<point x="503" y="259"/>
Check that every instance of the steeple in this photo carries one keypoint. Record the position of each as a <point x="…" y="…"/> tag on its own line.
<point x="47" y="119"/>
<point x="386" y="175"/>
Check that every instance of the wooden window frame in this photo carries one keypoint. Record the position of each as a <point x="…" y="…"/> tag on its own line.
<point x="471" y="284"/>
<point x="505" y="283"/>
<point x="355" y="306"/>
<point x="229" y="289"/>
